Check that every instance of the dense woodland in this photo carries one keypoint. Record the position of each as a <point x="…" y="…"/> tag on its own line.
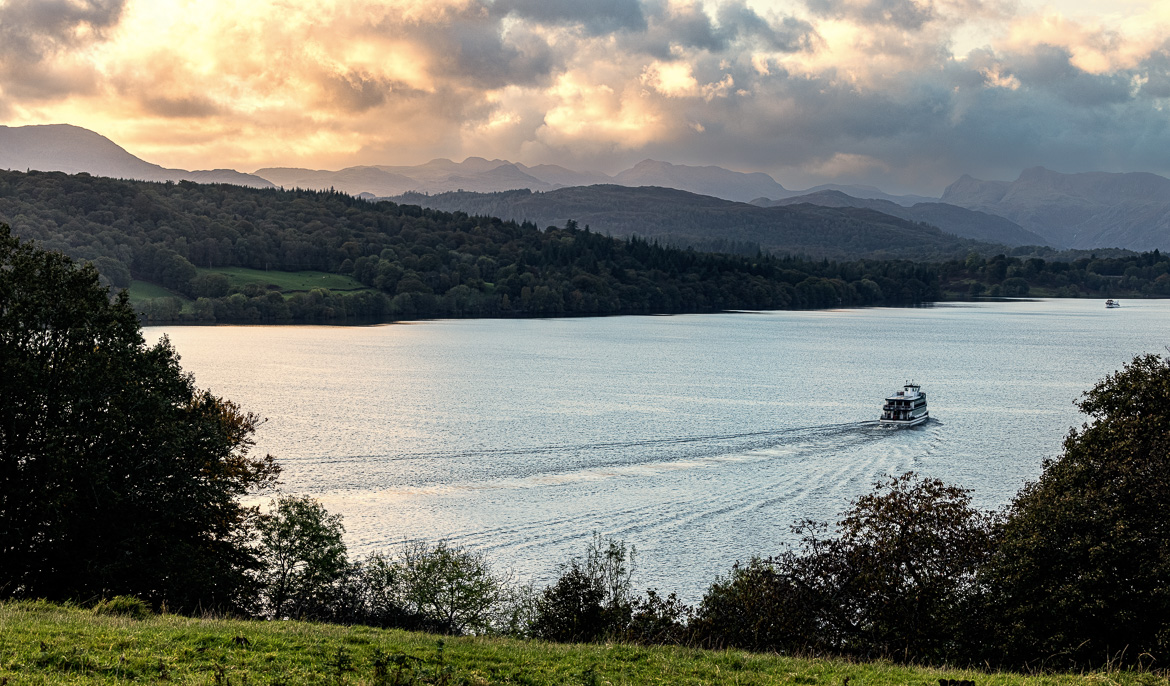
<point x="415" y="262"/>
<point x="1130" y="275"/>
<point x="687" y="219"/>
<point x="420" y="263"/>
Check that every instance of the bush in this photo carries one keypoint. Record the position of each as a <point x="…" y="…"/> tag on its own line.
<point x="592" y="597"/>
<point x="123" y="606"/>
<point x="455" y="590"/>
<point x="304" y="558"/>
<point x="757" y="606"/>
<point x="1082" y="574"/>
<point x="656" y="620"/>
<point x="890" y="582"/>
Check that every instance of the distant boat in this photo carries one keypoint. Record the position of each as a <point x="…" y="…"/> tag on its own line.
<point x="907" y="407"/>
<point x="1112" y="303"/>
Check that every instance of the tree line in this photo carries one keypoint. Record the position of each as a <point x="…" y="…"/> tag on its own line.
<point x="1129" y="275"/>
<point x="121" y="482"/>
<point x="414" y="262"/>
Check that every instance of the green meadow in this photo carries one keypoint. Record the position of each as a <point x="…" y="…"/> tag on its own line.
<point x="44" y="643"/>
<point x="286" y="282"/>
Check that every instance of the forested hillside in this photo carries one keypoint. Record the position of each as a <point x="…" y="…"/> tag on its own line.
<point x="412" y="262"/>
<point x="703" y="222"/>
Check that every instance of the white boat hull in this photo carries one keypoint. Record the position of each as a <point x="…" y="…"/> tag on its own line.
<point x="905" y="422"/>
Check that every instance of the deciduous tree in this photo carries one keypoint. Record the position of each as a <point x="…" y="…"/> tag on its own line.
<point x="117" y="475"/>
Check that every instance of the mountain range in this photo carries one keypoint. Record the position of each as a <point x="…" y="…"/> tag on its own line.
<point x="1085" y="211"/>
<point x="950" y="218"/>
<point x="72" y="149"/>
<point x="707" y="223"/>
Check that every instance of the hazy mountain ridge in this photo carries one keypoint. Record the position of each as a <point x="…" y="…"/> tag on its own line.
<point x="73" y="150"/>
<point x="1086" y="210"/>
<point x="950" y="218"/>
<point x="685" y="218"/>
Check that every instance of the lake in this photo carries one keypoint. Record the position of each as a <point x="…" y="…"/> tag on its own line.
<point x="698" y="438"/>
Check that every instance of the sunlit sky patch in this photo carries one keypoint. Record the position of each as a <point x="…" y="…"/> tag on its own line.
<point x="903" y="94"/>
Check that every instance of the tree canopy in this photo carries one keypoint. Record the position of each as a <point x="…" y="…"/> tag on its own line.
<point x="413" y="262"/>
<point x="1082" y="573"/>
<point x="117" y="475"/>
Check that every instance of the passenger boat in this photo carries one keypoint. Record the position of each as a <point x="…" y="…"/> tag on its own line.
<point x="907" y="407"/>
<point x="1112" y="303"/>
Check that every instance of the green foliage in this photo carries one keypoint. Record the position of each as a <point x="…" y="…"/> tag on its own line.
<point x="302" y="557"/>
<point x="1125" y="275"/>
<point x="454" y="589"/>
<point x="117" y="476"/>
<point x="123" y="606"/>
<point x="686" y="219"/>
<point x="891" y="581"/>
<point x="757" y="606"/>
<point x="413" y="262"/>
<point x="47" y="644"/>
<point x="1082" y="575"/>
<point x="592" y="598"/>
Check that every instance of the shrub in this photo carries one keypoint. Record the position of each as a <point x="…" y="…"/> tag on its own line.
<point x="1082" y="574"/>
<point x="454" y="589"/>
<point x="304" y="558"/>
<point x="592" y="597"/>
<point x="122" y="606"/>
<point x="757" y="606"/>
<point x="890" y="579"/>
<point x="656" y="620"/>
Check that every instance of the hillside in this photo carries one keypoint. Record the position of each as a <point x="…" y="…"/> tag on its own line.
<point x="72" y="149"/>
<point x="412" y="262"/>
<point x="705" y="222"/>
<point x="52" y="644"/>
<point x="708" y="180"/>
<point x="1089" y="210"/>
<point x="953" y="219"/>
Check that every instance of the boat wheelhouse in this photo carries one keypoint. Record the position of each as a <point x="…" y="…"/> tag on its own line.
<point x="907" y="407"/>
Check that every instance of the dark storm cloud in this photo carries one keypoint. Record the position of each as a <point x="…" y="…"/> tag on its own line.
<point x="990" y="115"/>
<point x="788" y="35"/>
<point x="906" y="14"/>
<point x="355" y="91"/>
<point x="34" y="28"/>
<point x="596" y="17"/>
<point x="686" y="26"/>
<point x="469" y="48"/>
<point x="735" y="27"/>
<point x="32" y="32"/>
<point x="1155" y="70"/>
<point x="1049" y="68"/>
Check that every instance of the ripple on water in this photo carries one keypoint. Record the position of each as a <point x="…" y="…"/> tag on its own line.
<point x="698" y="438"/>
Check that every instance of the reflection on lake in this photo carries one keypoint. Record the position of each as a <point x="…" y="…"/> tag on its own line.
<point x="698" y="438"/>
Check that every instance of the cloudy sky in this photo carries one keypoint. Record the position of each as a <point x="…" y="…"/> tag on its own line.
<point x="904" y="94"/>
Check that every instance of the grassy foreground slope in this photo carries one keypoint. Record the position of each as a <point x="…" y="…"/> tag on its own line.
<point x="43" y="643"/>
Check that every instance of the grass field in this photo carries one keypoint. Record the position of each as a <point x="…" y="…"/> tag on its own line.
<point x="41" y="643"/>
<point x="287" y="282"/>
<point x="144" y="290"/>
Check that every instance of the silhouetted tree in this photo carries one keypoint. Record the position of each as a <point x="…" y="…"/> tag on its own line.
<point x="1082" y="574"/>
<point x="117" y="475"/>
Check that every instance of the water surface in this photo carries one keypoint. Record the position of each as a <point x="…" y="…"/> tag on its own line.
<point x="699" y="438"/>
